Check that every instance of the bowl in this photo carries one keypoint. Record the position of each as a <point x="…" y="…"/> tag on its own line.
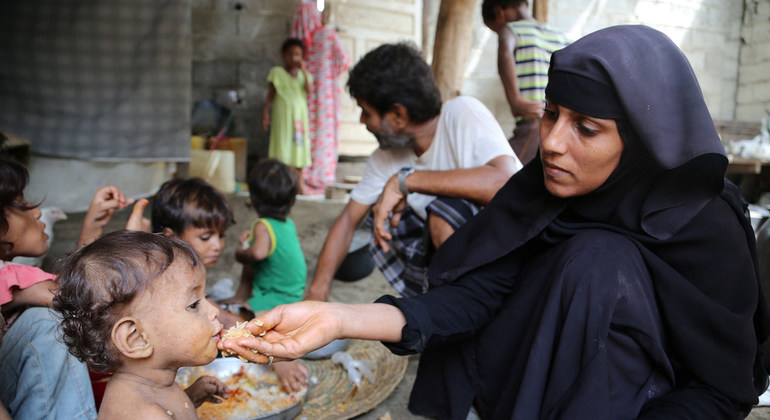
<point x="358" y="263"/>
<point x="223" y="368"/>
<point x="329" y="349"/>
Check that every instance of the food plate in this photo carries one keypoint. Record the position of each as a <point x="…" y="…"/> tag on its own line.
<point x="259" y="395"/>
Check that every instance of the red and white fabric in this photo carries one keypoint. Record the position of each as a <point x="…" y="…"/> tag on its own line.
<point x="327" y="61"/>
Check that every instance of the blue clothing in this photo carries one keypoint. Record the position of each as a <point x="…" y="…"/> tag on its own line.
<point x="39" y="378"/>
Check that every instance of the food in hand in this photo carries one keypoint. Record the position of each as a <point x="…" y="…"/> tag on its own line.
<point x="237" y="331"/>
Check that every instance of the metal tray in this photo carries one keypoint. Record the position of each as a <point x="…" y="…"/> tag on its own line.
<point x="223" y="368"/>
<point x="326" y="351"/>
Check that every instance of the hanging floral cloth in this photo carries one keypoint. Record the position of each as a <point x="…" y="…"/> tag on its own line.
<point x="307" y="19"/>
<point x="328" y="60"/>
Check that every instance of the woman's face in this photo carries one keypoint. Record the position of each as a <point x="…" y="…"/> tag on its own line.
<point x="579" y="152"/>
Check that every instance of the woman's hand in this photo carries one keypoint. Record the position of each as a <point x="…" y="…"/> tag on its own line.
<point x="204" y="389"/>
<point x="291" y="331"/>
<point x="293" y="375"/>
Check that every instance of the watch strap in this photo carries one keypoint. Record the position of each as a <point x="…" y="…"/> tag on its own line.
<point x="402" y="174"/>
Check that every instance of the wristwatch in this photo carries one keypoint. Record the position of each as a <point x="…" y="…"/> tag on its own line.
<point x="402" y="174"/>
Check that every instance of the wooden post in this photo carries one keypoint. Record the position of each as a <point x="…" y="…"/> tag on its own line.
<point x="540" y="10"/>
<point x="452" y="44"/>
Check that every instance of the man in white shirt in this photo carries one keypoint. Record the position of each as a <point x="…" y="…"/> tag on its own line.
<point x="434" y="167"/>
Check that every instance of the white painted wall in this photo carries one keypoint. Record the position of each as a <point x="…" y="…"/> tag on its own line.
<point x="708" y="31"/>
<point x="362" y="26"/>
<point x="753" y="96"/>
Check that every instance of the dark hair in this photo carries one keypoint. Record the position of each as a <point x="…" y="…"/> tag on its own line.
<point x="291" y="42"/>
<point x="181" y="203"/>
<point x="100" y="280"/>
<point x="396" y="74"/>
<point x="488" y="7"/>
<point x="273" y="188"/>
<point x="13" y="179"/>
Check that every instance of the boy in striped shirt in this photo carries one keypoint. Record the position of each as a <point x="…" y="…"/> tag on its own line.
<point x="523" y="56"/>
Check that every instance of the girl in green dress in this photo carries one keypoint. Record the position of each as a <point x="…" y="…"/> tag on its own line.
<point x="289" y="86"/>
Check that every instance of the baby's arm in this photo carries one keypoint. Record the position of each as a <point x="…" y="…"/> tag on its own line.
<point x="259" y="249"/>
<point x="106" y="201"/>
<point x="39" y="294"/>
<point x="205" y="388"/>
<point x="292" y="374"/>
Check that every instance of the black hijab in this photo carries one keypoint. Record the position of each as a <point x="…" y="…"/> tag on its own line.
<point x="668" y="195"/>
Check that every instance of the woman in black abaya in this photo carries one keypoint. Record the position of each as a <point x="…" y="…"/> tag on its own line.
<point x="613" y="277"/>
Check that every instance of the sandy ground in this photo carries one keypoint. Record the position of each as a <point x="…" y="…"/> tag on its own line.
<point x="313" y="219"/>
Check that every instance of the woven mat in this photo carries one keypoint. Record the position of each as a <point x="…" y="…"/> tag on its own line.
<point x="332" y="397"/>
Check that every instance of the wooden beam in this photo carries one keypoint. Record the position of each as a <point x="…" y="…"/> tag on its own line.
<point x="540" y="10"/>
<point x="452" y="45"/>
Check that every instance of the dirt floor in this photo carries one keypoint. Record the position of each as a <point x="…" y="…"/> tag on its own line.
<point x="313" y="219"/>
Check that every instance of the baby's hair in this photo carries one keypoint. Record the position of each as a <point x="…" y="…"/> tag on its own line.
<point x="291" y="42"/>
<point x="13" y="179"/>
<point x="98" y="282"/>
<point x="182" y="203"/>
<point x="273" y="187"/>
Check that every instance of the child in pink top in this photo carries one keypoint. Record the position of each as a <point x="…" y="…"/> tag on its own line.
<point x="38" y="376"/>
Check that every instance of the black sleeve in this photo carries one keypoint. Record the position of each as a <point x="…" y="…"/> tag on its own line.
<point x="455" y="310"/>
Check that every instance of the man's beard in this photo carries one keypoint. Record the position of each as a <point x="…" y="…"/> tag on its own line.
<point x="388" y="139"/>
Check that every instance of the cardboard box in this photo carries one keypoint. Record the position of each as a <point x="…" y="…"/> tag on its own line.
<point x="217" y="167"/>
<point x="240" y="147"/>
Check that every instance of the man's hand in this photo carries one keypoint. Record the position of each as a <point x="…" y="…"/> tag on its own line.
<point x="390" y="205"/>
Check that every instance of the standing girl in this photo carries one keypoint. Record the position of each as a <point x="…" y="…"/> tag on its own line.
<point x="289" y="85"/>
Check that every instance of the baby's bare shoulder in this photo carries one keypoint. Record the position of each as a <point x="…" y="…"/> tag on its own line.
<point x="145" y="410"/>
<point x="126" y="400"/>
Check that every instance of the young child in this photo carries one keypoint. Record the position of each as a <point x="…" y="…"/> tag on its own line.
<point x="289" y="86"/>
<point x="134" y="304"/>
<point x="274" y="270"/>
<point x="524" y="48"/>
<point x="37" y="374"/>
<point x="197" y="213"/>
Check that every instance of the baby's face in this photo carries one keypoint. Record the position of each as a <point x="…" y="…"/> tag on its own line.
<point x="208" y="242"/>
<point x="181" y="323"/>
